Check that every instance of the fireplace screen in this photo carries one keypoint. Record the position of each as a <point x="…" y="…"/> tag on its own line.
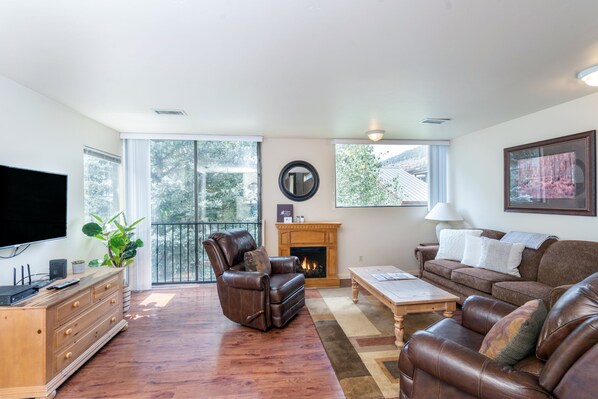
<point x="312" y="260"/>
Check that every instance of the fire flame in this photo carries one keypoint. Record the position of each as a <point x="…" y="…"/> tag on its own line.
<point x="307" y="265"/>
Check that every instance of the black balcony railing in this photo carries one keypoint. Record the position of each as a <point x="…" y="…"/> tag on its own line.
<point x="178" y="255"/>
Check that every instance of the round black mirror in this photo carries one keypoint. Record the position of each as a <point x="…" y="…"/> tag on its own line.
<point x="298" y="180"/>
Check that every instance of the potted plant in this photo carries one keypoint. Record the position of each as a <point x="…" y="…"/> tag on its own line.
<point x="118" y="237"/>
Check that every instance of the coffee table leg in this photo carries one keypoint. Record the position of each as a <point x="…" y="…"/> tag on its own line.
<point x="399" y="331"/>
<point x="355" y="288"/>
<point x="449" y="309"/>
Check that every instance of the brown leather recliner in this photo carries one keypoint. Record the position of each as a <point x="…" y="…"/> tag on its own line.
<point x="443" y="360"/>
<point x="254" y="299"/>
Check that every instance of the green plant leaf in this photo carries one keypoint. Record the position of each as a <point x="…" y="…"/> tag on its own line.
<point x="135" y="223"/>
<point x="120" y="227"/>
<point x="91" y="229"/>
<point x="129" y="254"/>
<point x="139" y="242"/>
<point x="117" y="243"/>
<point x="94" y="263"/>
<point x="99" y="219"/>
<point x="113" y="218"/>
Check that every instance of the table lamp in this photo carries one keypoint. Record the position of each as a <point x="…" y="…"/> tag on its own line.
<point x="443" y="212"/>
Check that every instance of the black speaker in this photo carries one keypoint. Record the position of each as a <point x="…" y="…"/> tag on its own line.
<point x="57" y="268"/>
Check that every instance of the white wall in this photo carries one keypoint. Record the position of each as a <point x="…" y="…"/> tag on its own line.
<point x="41" y="134"/>
<point x="382" y="236"/>
<point x="476" y="170"/>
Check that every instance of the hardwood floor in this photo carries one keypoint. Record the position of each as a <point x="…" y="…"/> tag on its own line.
<point x="179" y="345"/>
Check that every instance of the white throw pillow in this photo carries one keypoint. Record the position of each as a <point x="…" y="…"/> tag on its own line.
<point x="452" y="243"/>
<point x="501" y="256"/>
<point x="473" y="251"/>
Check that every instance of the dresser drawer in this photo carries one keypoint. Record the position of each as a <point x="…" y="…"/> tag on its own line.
<point x="73" y="306"/>
<point x="72" y="352"/>
<point x="106" y="288"/>
<point x="72" y="330"/>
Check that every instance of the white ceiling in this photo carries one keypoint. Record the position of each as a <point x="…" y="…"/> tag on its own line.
<point x="301" y="68"/>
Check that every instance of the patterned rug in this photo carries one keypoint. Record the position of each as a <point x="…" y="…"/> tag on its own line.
<point x="359" y="340"/>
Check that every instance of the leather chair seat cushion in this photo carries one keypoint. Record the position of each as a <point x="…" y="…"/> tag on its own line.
<point x="480" y="279"/>
<point x="282" y="286"/>
<point x="452" y="330"/>
<point x="520" y="292"/>
<point x="443" y="267"/>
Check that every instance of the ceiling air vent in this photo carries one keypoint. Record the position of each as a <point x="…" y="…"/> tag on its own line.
<point x="435" y="121"/>
<point x="175" y="112"/>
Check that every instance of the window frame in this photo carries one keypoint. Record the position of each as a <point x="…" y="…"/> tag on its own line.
<point x="118" y="189"/>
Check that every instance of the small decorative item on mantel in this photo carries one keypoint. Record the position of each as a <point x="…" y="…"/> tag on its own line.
<point x="284" y="213"/>
<point x="117" y="235"/>
<point x="78" y="266"/>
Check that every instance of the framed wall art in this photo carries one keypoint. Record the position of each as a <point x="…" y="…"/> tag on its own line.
<point x="556" y="176"/>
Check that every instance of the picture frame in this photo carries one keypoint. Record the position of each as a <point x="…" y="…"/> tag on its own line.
<point x="556" y="176"/>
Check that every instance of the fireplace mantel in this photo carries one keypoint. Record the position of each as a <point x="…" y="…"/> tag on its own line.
<point x="321" y="234"/>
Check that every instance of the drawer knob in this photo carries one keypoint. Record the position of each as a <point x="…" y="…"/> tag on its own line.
<point x="113" y="301"/>
<point x="76" y="304"/>
<point x="108" y="286"/>
<point x="68" y="355"/>
<point x="68" y="331"/>
<point x="113" y="319"/>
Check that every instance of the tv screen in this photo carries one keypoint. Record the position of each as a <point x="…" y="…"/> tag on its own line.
<point x="32" y="206"/>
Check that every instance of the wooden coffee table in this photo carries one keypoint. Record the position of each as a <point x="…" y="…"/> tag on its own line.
<point x="402" y="296"/>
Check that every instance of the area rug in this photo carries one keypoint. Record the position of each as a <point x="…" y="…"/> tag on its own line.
<point x="359" y="340"/>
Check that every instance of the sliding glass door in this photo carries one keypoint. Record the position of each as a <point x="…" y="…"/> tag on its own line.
<point x="197" y="188"/>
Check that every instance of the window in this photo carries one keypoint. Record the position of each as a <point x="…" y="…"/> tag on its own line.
<point x="101" y="182"/>
<point x="369" y="175"/>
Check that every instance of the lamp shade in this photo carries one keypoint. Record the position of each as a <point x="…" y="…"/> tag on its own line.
<point x="443" y="212"/>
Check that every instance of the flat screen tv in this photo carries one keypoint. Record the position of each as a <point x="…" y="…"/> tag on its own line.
<point x="32" y="206"/>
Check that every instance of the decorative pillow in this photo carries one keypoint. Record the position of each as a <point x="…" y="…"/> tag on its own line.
<point x="501" y="256"/>
<point x="258" y="261"/>
<point x="472" y="251"/>
<point x="452" y="243"/>
<point x="514" y="337"/>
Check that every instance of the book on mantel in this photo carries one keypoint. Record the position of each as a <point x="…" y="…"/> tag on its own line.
<point x="393" y="276"/>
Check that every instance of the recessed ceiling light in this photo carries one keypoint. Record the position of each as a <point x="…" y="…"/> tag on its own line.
<point x="174" y="112"/>
<point x="589" y="76"/>
<point x="435" y="121"/>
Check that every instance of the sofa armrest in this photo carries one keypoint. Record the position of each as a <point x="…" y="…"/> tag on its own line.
<point x="480" y="313"/>
<point x="255" y="281"/>
<point x="470" y="371"/>
<point x="285" y="264"/>
<point x="424" y="253"/>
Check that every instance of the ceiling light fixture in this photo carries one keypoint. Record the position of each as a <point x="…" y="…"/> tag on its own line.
<point x="589" y="75"/>
<point x="375" y="135"/>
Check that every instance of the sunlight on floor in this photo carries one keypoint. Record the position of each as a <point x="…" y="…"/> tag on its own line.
<point x="157" y="300"/>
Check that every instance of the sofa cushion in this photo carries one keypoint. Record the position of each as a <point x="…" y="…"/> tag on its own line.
<point x="480" y="279"/>
<point x="574" y="307"/>
<point x="283" y="285"/>
<point x="443" y="267"/>
<point x="452" y="243"/>
<point x="454" y="331"/>
<point x="568" y="262"/>
<point x="514" y="337"/>
<point x="519" y="292"/>
<point x="500" y="256"/>
<point x="472" y="251"/>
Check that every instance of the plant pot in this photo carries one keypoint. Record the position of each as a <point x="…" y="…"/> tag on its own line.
<point x="126" y="298"/>
<point x="78" y="267"/>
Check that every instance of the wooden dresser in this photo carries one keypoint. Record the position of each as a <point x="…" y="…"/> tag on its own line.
<point x="46" y="338"/>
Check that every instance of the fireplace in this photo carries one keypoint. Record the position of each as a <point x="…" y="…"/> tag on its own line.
<point x="317" y="243"/>
<point x="312" y="260"/>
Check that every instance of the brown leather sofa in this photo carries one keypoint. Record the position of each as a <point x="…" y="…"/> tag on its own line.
<point x="443" y="360"/>
<point x="545" y="273"/>
<point x="254" y="299"/>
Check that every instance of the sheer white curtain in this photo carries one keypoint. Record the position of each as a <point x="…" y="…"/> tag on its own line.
<point x="138" y="205"/>
<point x="437" y="180"/>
